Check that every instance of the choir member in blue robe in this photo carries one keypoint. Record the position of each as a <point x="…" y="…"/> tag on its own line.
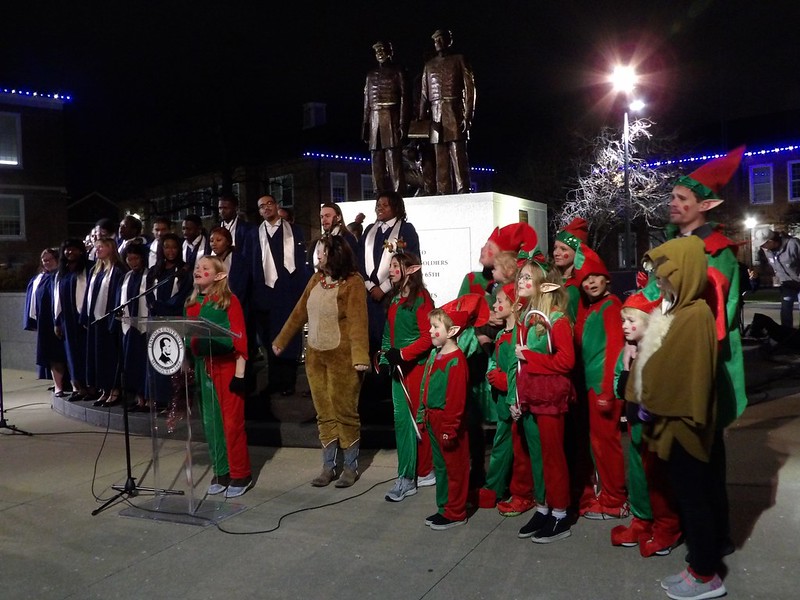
<point x="134" y="339"/>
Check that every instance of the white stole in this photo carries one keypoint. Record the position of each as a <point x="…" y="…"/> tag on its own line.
<point x="386" y="256"/>
<point x="80" y="293"/>
<point x="32" y="305"/>
<point x="99" y="308"/>
<point x="153" y="254"/>
<point x="142" y="301"/>
<point x="267" y="262"/>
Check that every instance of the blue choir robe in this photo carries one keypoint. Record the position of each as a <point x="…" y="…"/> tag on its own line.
<point x="134" y="339"/>
<point x="103" y="336"/>
<point x="69" y="296"/>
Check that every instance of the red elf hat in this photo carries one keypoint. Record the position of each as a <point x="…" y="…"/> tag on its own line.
<point x="640" y="302"/>
<point x="469" y="310"/>
<point x="592" y="264"/>
<point x="510" y="290"/>
<point x="575" y="233"/>
<point x="709" y="179"/>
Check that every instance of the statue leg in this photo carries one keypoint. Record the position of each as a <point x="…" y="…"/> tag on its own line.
<point x="460" y="162"/>
<point x="394" y="158"/>
<point x="378" y="171"/>
<point x="428" y="161"/>
<point x="444" y="184"/>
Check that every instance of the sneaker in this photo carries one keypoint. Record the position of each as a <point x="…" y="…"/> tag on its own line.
<point x="552" y="530"/>
<point x="434" y="518"/>
<point x="428" y="480"/>
<point x="671" y="580"/>
<point x="403" y="487"/>
<point x="535" y="524"/>
<point x="444" y="523"/>
<point x="218" y="484"/>
<point x="598" y="512"/>
<point x="515" y="506"/>
<point x="487" y="498"/>
<point x="658" y="545"/>
<point x="688" y="588"/>
<point x="238" y="487"/>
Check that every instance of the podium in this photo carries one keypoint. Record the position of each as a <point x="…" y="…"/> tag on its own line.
<point x="177" y="497"/>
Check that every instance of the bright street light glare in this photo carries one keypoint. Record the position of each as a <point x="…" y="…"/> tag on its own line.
<point x="624" y="79"/>
<point x="636" y="106"/>
<point x="750" y="222"/>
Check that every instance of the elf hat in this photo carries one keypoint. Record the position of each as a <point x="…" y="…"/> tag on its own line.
<point x="709" y="179"/>
<point x="469" y="310"/>
<point x="592" y="265"/>
<point x="510" y="290"/>
<point x="640" y="302"/>
<point x="575" y="233"/>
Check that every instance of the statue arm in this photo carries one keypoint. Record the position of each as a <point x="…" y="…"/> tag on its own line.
<point x="404" y="103"/>
<point x="424" y="107"/>
<point x="365" y="119"/>
<point x="469" y="93"/>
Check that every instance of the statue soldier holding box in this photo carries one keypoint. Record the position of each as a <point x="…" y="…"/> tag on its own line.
<point x="448" y="100"/>
<point x="385" y="123"/>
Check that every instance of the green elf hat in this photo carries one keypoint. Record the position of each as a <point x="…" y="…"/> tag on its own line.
<point x="707" y="181"/>
<point x="574" y="234"/>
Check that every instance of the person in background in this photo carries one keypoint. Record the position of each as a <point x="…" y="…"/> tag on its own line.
<point x="357" y="226"/>
<point x="161" y="225"/>
<point x="130" y="231"/>
<point x="195" y="242"/>
<point x="783" y="254"/>
<point x="134" y="341"/>
<point x="230" y="219"/>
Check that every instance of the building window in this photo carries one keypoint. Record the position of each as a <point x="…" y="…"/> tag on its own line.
<point x="338" y="187"/>
<point x="12" y="217"/>
<point x="794" y="181"/>
<point x="10" y="140"/>
<point x="761" y="184"/>
<point x="367" y="188"/>
<point x="282" y="189"/>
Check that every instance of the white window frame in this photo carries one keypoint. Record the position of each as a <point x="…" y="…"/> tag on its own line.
<point x="789" y="166"/>
<point x="753" y="187"/>
<point x="344" y="180"/>
<point x="367" y="187"/>
<point x="18" y="127"/>
<point x="277" y="189"/>
<point x="21" y="202"/>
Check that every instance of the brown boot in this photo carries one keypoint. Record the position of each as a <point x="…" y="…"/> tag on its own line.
<point x="348" y="478"/>
<point x="324" y="478"/>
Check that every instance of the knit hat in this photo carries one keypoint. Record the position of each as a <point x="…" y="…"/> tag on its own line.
<point x="575" y="233"/>
<point x="640" y="302"/>
<point x="592" y="265"/>
<point x="469" y="310"/>
<point x="708" y="180"/>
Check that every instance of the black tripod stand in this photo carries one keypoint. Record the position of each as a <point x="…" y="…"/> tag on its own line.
<point x="129" y="488"/>
<point x="3" y="423"/>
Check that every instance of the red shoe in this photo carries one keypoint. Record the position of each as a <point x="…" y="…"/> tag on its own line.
<point x="658" y="545"/>
<point x="487" y="498"/>
<point x="515" y="506"/>
<point x="629" y="536"/>
<point x="599" y="512"/>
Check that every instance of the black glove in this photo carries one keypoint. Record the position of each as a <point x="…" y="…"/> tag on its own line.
<point x="385" y="371"/>
<point x="238" y="386"/>
<point x="393" y="356"/>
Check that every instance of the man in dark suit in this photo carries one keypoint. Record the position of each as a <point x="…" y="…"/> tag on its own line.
<point x="230" y="219"/>
<point x="276" y="253"/>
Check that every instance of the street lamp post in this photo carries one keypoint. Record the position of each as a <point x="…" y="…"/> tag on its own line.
<point x="628" y="256"/>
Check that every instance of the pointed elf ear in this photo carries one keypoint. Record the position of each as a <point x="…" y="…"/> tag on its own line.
<point x="453" y="331"/>
<point x="707" y="205"/>
<point x="410" y="270"/>
<point x="548" y="287"/>
<point x="220" y="276"/>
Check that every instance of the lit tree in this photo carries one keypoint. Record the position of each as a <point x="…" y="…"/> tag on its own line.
<point x="599" y="192"/>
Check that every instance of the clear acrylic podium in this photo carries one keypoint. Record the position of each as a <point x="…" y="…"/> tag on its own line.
<point x="177" y="468"/>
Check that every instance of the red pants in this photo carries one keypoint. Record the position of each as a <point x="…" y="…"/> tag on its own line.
<point x="556" y="472"/>
<point x="452" y="469"/>
<point x="666" y="522"/>
<point x="232" y="409"/>
<point x="606" y="443"/>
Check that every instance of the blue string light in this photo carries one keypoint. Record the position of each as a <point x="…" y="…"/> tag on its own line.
<point x="364" y="159"/>
<point x="705" y="157"/>
<point x="16" y="92"/>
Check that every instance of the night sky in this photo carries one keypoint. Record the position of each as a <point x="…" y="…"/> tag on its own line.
<point x="180" y="87"/>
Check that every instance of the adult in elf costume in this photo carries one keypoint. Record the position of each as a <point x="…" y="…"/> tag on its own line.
<point x="599" y="341"/>
<point x="219" y="369"/>
<point x="406" y="344"/>
<point x="568" y="241"/>
<point x="692" y="197"/>
<point x="442" y="407"/>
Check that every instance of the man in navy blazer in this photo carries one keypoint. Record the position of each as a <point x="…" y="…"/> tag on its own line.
<point x="276" y="253"/>
<point x="230" y="219"/>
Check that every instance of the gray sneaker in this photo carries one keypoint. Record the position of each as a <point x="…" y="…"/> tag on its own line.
<point x="688" y="588"/>
<point x="403" y="487"/>
<point x="428" y="480"/>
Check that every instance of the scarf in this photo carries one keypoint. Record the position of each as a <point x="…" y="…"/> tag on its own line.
<point x="268" y="263"/>
<point x="32" y="310"/>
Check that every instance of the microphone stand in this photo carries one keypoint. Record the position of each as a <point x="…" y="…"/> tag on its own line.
<point x="129" y="488"/>
<point x="3" y="423"/>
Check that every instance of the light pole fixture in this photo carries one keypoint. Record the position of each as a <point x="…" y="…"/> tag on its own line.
<point x="750" y="223"/>
<point x="624" y="79"/>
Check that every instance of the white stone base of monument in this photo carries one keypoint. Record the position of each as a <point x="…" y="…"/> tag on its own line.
<point x="452" y="229"/>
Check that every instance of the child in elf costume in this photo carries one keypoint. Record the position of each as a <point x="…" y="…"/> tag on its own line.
<point x="545" y="391"/>
<point x="442" y="408"/>
<point x="508" y="452"/>
<point x="406" y="345"/>
<point x="219" y="367"/>
<point x="655" y="527"/>
<point x="599" y="341"/>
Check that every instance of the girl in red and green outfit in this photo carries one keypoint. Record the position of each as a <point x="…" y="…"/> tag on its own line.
<point x="219" y="367"/>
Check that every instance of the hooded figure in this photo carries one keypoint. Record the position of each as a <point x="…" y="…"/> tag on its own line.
<point x="683" y="409"/>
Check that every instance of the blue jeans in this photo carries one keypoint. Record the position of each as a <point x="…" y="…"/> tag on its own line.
<point x="790" y="293"/>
